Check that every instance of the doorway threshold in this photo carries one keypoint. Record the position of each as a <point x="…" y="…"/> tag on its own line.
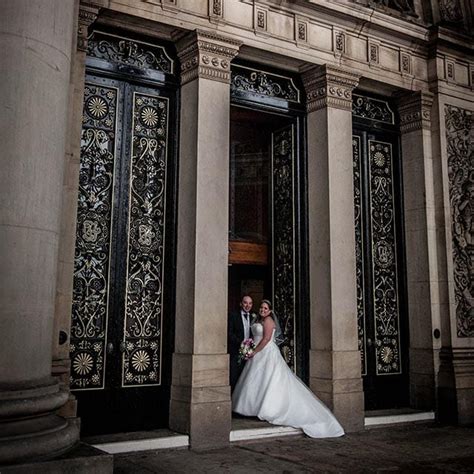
<point x="243" y="429"/>
<point x="375" y="418"/>
<point x="247" y="429"/>
<point x="138" y="441"/>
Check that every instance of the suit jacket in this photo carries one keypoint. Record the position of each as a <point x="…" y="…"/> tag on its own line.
<point x="235" y="333"/>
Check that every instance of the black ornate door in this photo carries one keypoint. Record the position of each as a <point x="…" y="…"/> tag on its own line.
<point x="121" y="330"/>
<point x="381" y="310"/>
<point x="283" y="236"/>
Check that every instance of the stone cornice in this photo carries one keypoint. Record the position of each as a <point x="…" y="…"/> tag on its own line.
<point x="329" y="86"/>
<point x="206" y="55"/>
<point x="415" y="111"/>
<point x="87" y="16"/>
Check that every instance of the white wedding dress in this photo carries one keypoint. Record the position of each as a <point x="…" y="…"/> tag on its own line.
<point x="269" y="390"/>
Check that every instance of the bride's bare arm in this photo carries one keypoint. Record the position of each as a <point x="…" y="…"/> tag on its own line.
<point x="268" y="326"/>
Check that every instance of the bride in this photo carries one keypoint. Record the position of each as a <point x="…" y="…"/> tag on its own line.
<point x="269" y="389"/>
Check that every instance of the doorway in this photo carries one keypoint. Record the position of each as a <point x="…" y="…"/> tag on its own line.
<point x="267" y="244"/>
<point x="122" y="312"/>
<point x="380" y="256"/>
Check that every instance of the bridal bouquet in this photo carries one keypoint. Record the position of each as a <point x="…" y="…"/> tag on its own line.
<point x="246" y="349"/>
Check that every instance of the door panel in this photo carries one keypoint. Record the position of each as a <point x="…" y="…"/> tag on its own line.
<point x="283" y="237"/>
<point x="381" y="312"/>
<point x="120" y="332"/>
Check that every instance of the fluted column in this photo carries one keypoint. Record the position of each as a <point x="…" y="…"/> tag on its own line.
<point x="335" y="374"/>
<point x="36" y="41"/>
<point x="200" y="394"/>
<point x="421" y="244"/>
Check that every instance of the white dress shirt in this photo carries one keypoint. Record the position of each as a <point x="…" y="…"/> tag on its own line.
<point x="246" y="323"/>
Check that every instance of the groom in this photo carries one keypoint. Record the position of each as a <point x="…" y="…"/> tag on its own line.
<point x="238" y="330"/>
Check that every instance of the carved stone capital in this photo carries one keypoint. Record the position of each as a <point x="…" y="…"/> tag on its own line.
<point x="206" y="55"/>
<point x="415" y="111"/>
<point x="329" y="86"/>
<point x="87" y="16"/>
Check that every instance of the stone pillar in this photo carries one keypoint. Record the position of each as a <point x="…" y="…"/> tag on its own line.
<point x="200" y="393"/>
<point x="62" y="317"/>
<point x="420" y="244"/>
<point x="36" y="43"/>
<point x="335" y="374"/>
<point x="454" y="119"/>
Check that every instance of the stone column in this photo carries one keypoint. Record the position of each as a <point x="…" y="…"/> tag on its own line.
<point x="420" y="244"/>
<point x="62" y="318"/>
<point x="335" y="374"/>
<point x="200" y="393"/>
<point x="36" y="42"/>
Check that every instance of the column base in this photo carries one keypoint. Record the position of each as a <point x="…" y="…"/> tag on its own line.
<point x="456" y="386"/>
<point x="30" y="429"/>
<point x="335" y="378"/>
<point x="422" y="381"/>
<point x="200" y="410"/>
<point x="83" y="459"/>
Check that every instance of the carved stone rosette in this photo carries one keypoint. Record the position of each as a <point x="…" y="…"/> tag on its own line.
<point x="206" y="55"/>
<point x="415" y="111"/>
<point x="329" y="86"/>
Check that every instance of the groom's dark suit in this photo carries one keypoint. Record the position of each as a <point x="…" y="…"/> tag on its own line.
<point x="235" y="337"/>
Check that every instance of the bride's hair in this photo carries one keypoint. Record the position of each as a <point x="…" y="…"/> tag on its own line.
<point x="279" y="337"/>
<point x="267" y="302"/>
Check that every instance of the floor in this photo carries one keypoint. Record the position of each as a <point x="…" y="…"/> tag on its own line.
<point x="416" y="447"/>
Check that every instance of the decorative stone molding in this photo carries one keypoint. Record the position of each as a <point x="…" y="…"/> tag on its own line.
<point x="450" y="67"/>
<point x="405" y="63"/>
<point x="329" y="86"/>
<point x="206" y="55"/>
<point x="373" y="53"/>
<point x="216" y="9"/>
<point x="260" y="19"/>
<point x="415" y="111"/>
<point x="301" y="31"/>
<point x="87" y="16"/>
<point x="339" y="43"/>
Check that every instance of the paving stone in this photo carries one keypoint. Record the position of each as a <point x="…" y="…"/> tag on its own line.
<point x="410" y="448"/>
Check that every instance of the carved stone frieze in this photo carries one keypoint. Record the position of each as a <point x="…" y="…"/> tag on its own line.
<point x="415" y="111"/>
<point x="207" y="56"/>
<point x="460" y="149"/>
<point x="329" y="86"/>
<point x="450" y="11"/>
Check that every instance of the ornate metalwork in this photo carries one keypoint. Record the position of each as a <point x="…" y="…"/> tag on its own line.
<point x="359" y="240"/>
<point x="245" y="80"/>
<point x="284" y="238"/>
<point x="459" y="136"/>
<point x="132" y="53"/>
<point x="384" y="261"/>
<point x="144" y="284"/>
<point x="92" y="257"/>
<point x="373" y="109"/>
